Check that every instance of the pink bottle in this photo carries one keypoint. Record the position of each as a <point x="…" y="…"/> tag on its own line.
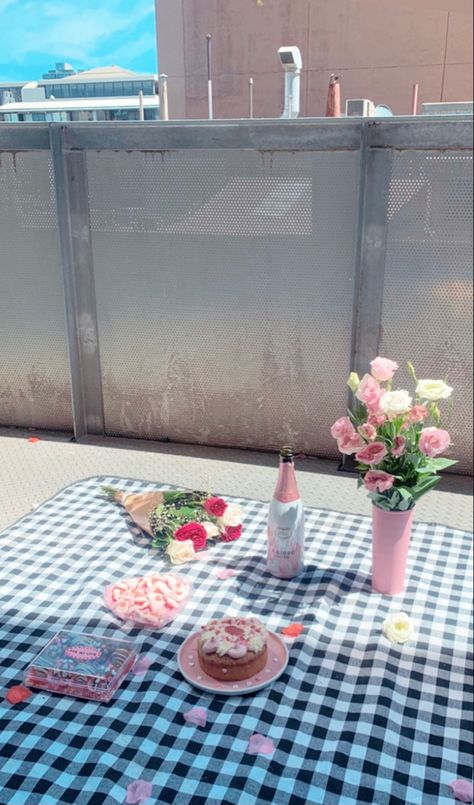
<point x="285" y="533"/>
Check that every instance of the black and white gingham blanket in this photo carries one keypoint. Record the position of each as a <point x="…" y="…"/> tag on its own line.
<point x="354" y="719"/>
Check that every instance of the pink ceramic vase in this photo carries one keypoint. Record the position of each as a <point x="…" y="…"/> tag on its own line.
<point x="390" y="542"/>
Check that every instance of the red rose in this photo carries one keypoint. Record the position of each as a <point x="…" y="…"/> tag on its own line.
<point x="231" y="532"/>
<point x="215" y="506"/>
<point x="193" y="531"/>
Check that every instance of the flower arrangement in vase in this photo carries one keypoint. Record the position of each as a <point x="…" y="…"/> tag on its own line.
<point x="397" y="443"/>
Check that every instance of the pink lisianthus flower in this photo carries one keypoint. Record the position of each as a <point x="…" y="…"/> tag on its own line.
<point x="368" y="431"/>
<point x="417" y="414"/>
<point x="434" y="441"/>
<point x="349" y="444"/>
<point x="376" y="419"/>
<point x="378" y="481"/>
<point x="372" y="453"/>
<point x="342" y="427"/>
<point x="370" y="393"/>
<point x="398" y="448"/>
<point x="383" y="368"/>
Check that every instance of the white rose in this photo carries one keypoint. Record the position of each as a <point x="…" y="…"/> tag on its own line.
<point x="395" y="403"/>
<point x="180" y="552"/>
<point x="231" y="517"/>
<point x="433" y="390"/>
<point x="211" y="529"/>
<point x="398" y="628"/>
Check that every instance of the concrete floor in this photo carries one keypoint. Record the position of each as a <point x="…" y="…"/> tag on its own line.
<point x="32" y="472"/>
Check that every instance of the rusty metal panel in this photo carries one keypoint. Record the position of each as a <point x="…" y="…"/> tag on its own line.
<point x="34" y="373"/>
<point x="224" y="291"/>
<point x="427" y="306"/>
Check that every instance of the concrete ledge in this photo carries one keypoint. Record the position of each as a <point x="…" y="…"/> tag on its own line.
<point x="31" y="472"/>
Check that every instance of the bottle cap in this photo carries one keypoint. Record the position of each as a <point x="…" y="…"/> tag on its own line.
<point x="286" y="453"/>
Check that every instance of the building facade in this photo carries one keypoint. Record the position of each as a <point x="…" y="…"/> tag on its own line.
<point x="61" y="70"/>
<point x="106" y="93"/>
<point x="378" y="47"/>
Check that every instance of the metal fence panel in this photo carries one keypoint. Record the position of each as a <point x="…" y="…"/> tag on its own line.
<point x="220" y="279"/>
<point x="34" y="373"/>
<point x="224" y="288"/>
<point x="427" y="304"/>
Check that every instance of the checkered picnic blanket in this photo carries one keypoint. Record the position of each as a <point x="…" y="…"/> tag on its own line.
<point x="354" y="719"/>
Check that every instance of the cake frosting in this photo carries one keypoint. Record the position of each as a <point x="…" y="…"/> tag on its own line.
<point x="233" y="636"/>
<point x="232" y="648"/>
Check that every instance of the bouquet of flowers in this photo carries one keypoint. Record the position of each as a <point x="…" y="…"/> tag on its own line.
<point x="181" y="523"/>
<point x="395" y="437"/>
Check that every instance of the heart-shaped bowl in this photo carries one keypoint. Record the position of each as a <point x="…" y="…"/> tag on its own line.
<point x="149" y="602"/>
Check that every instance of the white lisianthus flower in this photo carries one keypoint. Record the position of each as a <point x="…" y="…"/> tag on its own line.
<point x="395" y="403"/>
<point x="231" y="517"/>
<point x="433" y="390"/>
<point x="211" y="529"/>
<point x="180" y="552"/>
<point x="398" y="628"/>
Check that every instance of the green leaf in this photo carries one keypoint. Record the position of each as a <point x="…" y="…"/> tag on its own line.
<point x="434" y="465"/>
<point x="442" y="463"/>
<point x="424" y="486"/>
<point x="405" y="493"/>
<point x="394" y="499"/>
<point x="109" y="491"/>
<point x="188" y="512"/>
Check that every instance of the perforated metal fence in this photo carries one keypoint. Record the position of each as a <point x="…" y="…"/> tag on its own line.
<point x="221" y="280"/>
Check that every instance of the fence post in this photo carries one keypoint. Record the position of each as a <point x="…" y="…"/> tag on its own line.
<point x="70" y="182"/>
<point x="374" y="186"/>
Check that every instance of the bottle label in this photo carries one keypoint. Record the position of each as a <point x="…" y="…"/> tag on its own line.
<point x="285" y="542"/>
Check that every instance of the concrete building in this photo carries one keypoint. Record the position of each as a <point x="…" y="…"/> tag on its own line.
<point x="105" y="93"/>
<point x="380" y="48"/>
<point x="80" y="110"/>
<point x="62" y="70"/>
<point x="10" y="91"/>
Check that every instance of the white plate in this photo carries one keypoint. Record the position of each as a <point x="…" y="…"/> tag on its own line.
<point x="188" y="664"/>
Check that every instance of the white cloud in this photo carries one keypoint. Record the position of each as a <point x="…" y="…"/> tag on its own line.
<point x="128" y="52"/>
<point x="72" y="30"/>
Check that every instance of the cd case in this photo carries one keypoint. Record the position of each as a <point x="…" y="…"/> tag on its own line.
<point x="82" y="665"/>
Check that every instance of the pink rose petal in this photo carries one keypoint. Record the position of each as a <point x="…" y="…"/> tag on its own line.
<point x="142" y="664"/>
<point x="197" y="716"/>
<point x="225" y="573"/>
<point x="260" y="745"/>
<point x="138" y="791"/>
<point x="463" y="790"/>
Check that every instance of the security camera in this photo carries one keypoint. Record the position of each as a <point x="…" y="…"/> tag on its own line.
<point x="290" y="58"/>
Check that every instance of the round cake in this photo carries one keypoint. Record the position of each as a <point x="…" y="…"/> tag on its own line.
<point x="232" y="649"/>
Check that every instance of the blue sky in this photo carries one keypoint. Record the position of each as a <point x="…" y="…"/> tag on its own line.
<point x="34" y="34"/>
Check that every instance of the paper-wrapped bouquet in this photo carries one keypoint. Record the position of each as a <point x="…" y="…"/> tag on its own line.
<point x="181" y="523"/>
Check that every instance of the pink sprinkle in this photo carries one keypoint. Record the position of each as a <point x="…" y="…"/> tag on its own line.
<point x="260" y="745"/>
<point x="142" y="664"/>
<point x="196" y="716"/>
<point x="33" y="439"/>
<point x="225" y="573"/>
<point x="463" y="790"/>
<point x="138" y="791"/>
